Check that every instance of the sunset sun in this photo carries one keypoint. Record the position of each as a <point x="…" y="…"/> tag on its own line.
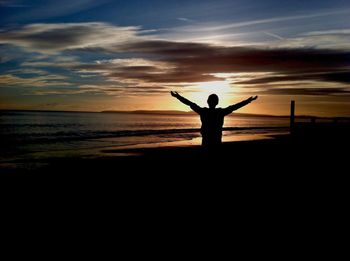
<point x="203" y="89"/>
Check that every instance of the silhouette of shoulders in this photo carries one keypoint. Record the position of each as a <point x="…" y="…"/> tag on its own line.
<point x="217" y="111"/>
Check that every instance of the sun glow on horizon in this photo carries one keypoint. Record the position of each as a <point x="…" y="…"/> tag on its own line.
<point x="203" y="89"/>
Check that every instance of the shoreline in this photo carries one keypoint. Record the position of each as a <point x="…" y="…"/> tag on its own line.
<point x="283" y="165"/>
<point x="308" y="150"/>
<point x="29" y="160"/>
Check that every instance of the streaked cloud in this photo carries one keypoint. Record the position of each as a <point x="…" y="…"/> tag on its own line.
<point x="335" y="91"/>
<point x="205" y="27"/>
<point x="247" y="31"/>
<point x="184" y="19"/>
<point x="333" y="39"/>
<point x="52" y="38"/>
<point x="7" y="80"/>
<point x="274" y="35"/>
<point x="329" y="76"/>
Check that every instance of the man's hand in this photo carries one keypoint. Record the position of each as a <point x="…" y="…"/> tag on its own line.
<point x="174" y="94"/>
<point x="252" y="98"/>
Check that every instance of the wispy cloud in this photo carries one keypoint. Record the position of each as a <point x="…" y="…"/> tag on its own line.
<point x="328" y="32"/>
<point x="327" y="76"/>
<point x="206" y="27"/>
<point x="184" y="19"/>
<point x="7" y="80"/>
<point x="247" y="32"/>
<point x="51" y="38"/>
<point x="328" y="39"/>
<point x="32" y="71"/>
<point x="274" y="35"/>
<point x="335" y="91"/>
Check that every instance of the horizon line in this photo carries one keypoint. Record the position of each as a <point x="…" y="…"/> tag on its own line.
<point x="167" y="112"/>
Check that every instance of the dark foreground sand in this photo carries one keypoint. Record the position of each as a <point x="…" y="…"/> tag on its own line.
<point x="290" y="186"/>
<point x="301" y="172"/>
<point x="311" y="158"/>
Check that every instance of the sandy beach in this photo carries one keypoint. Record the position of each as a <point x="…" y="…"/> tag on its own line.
<point x="282" y="173"/>
<point x="301" y="171"/>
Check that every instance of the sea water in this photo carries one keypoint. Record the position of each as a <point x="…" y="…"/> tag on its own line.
<point x="39" y="133"/>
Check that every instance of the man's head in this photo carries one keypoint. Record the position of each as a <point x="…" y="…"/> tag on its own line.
<point x="213" y="100"/>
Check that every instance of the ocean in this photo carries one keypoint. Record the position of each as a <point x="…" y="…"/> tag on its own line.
<point x="39" y="134"/>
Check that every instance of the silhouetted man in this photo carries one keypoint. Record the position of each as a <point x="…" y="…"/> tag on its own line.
<point x="212" y="118"/>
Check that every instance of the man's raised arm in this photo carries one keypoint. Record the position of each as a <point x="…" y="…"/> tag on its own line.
<point x="193" y="106"/>
<point x="236" y="106"/>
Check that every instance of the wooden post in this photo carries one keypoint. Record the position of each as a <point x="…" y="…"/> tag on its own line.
<point x="292" y="116"/>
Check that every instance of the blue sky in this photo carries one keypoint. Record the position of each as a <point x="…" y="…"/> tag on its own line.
<point x="125" y="55"/>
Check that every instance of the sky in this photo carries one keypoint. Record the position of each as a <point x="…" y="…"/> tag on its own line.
<point x="100" y="55"/>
